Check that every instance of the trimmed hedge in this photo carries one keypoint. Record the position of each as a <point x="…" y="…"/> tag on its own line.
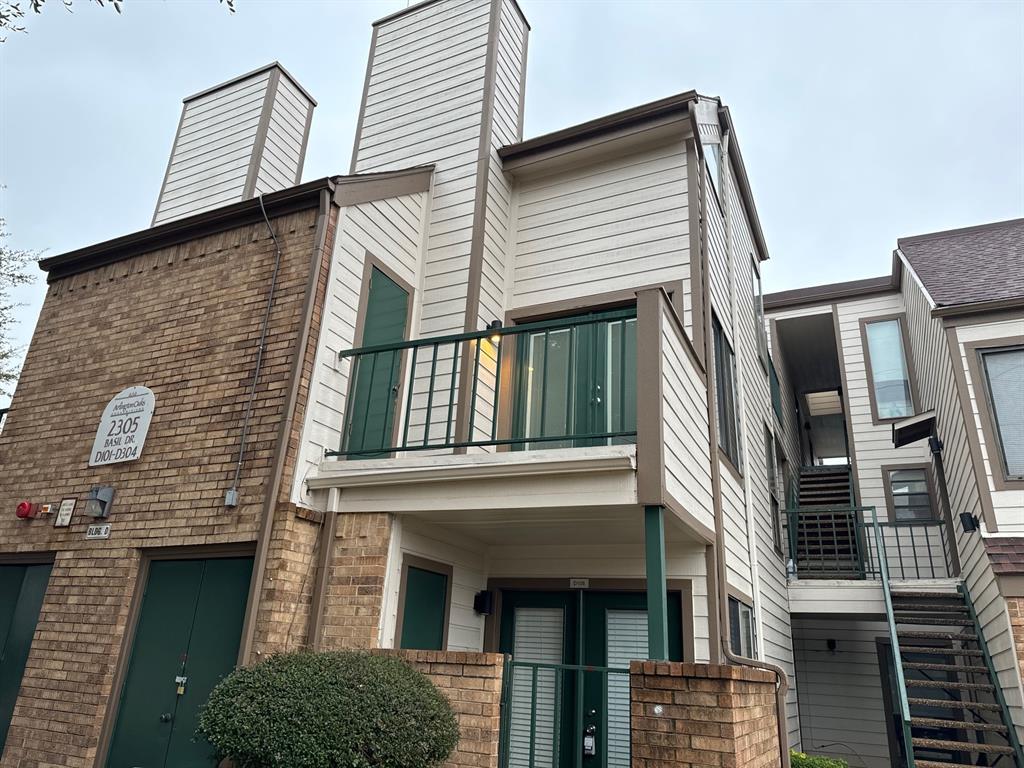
<point x="800" y="760"/>
<point x="329" y="710"/>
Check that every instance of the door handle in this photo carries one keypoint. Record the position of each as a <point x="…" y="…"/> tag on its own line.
<point x="166" y="717"/>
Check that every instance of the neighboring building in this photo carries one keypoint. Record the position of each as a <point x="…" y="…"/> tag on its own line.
<point x="934" y="350"/>
<point x="512" y="408"/>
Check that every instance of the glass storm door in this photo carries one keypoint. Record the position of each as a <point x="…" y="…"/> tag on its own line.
<point x="577" y="381"/>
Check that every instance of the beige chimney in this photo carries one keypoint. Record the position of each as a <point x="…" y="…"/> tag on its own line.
<point x="236" y="140"/>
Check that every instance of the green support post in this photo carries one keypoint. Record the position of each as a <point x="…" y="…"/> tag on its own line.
<point x="657" y="589"/>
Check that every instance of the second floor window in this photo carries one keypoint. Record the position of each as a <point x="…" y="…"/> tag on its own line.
<point x="1004" y="379"/>
<point x="910" y="495"/>
<point x="891" y="392"/>
<point x="725" y="387"/>
<point x="758" y="297"/>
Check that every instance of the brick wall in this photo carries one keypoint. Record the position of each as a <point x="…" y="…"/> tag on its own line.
<point x="702" y="715"/>
<point x="184" y="321"/>
<point x="355" y="581"/>
<point x="472" y="683"/>
<point x="1015" y="606"/>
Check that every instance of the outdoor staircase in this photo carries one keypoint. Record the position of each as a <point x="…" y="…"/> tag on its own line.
<point x="958" y="717"/>
<point x="827" y="526"/>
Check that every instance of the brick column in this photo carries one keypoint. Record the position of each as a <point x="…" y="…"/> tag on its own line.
<point x="702" y="716"/>
<point x="1015" y="607"/>
<point x="355" y="581"/>
<point x="472" y="683"/>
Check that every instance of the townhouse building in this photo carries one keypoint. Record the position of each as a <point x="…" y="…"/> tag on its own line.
<point x="518" y="411"/>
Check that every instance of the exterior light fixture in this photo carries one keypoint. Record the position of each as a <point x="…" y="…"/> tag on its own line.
<point x="495" y="326"/>
<point x="99" y="500"/>
<point x="969" y="522"/>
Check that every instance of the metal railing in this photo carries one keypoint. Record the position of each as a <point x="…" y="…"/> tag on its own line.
<point x="901" y="683"/>
<point x="836" y="543"/>
<point x="545" y="723"/>
<point x="405" y="396"/>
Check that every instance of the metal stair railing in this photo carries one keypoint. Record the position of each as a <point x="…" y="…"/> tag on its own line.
<point x="1014" y="742"/>
<point x="901" y="682"/>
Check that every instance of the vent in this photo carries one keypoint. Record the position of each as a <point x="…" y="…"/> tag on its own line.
<point x="236" y="140"/>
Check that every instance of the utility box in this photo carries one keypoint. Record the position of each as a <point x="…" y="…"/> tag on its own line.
<point x="236" y="140"/>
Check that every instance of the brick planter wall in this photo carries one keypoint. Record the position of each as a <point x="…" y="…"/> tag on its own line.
<point x="1015" y="607"/>
<point x="472" y="683"/>
<point x="710" y="715"/>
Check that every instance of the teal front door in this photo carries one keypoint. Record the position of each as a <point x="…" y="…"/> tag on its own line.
<point x="21" y="596"/>
<point x="186" y="640"/>
<point x="556" y="701"/>
<point x="576" y="381"/>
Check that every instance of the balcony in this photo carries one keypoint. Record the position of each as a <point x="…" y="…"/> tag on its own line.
<point x="554" y="384"/>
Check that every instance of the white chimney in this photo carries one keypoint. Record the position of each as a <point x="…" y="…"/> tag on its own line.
<point x="236" y="140"/>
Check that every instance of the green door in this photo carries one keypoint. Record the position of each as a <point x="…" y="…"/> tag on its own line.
<point x="371" y="404"/>
<point x="579" y="380"/>
<point x="423" y="612"/>
<point x="579" y="629"/>
<point x="21" y="596"/>
<point x="189" y="627"/>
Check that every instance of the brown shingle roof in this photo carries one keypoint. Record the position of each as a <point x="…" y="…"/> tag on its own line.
<point x="1007" y="555"/>
<point x="971" y="265"/>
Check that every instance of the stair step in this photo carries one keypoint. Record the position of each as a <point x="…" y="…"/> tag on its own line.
<point x="921" y="633"/>
<point x="961" y="746"/>
<point x="949" y="704"/>
<point x="960" y="725"/>
<point x="897" y="594"/>
<point x="942" y="621"/>
<point x="930" y="608"/>
<point x="935" y="650"/>
<point x="944" y="667"/>
<point x="950" y="685"/>
<point x="933" y="764"/>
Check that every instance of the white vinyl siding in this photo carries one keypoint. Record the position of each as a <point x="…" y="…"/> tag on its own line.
<point x="580" y="232"/>
<point x="282" y="152"/>
<point x="391" y="231"/>
<point x="938" y="390"/>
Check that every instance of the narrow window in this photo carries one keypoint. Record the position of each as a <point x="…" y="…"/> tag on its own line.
<point x="773" y="377"/>
<point x="725" y="385"/>
<point x="887" y="364"/>
<point x="1004" y="380"/>
<point x="741" y="629"/>
<point x="713" y="158"/>
<point x="772" y="468"/>
<point x="911" y="498"/>
<point x="758" y="299"/>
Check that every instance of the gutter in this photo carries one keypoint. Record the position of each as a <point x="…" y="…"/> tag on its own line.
<point x="721" y="577"/>
<point x="266" y="529"/>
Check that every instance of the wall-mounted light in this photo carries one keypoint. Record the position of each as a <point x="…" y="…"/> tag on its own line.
<point x="483" y="602"/>
<point x="99" y="500"/>
<point x="495" y="327"/>
<point x="969" y="522"/>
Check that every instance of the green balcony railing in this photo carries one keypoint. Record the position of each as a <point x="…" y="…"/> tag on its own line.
<point x="839" y="543"/>
<point x="559" y="383"/>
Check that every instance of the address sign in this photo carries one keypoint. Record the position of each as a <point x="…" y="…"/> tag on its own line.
<point x="123" y="427"/>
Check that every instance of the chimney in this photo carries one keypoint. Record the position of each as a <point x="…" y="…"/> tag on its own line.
<point x="444" y="86"/>
<point x="236" y="140"/>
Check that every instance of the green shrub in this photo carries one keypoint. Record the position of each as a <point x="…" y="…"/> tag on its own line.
<point x="800" y="760"/>
<point x="329" y="710"/>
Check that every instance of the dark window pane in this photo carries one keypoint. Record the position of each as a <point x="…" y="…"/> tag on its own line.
<point x="1004" y="371"/>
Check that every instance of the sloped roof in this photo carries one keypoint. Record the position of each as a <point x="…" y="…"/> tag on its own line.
<point x="970" y="266"/>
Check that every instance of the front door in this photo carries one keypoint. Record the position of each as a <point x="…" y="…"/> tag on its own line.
<point x="186" y="640"/>
<point x="21" y="596"/>
<point x="557" y="703"/>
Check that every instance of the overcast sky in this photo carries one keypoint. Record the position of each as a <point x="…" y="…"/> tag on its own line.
<point x="859" y="122"/>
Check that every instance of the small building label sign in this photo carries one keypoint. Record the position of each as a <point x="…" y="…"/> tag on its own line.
<point x="123" y="427"/>
<point x="98" y="531"/>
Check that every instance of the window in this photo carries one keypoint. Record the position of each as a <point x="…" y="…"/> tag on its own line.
<point x="1004" y="388"/>
<point x="758" y="297"/>
<point x="909" y="494"/>
<point x="741" y="629"/>
<point x="773" y="378"/>
<point x="713" y="157"/>
<point x="891" y="394"/>
<point x="725" y="387"/>
<point x="771" y="456"/>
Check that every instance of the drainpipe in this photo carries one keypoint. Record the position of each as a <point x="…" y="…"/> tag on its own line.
<point x="721" y="582"/>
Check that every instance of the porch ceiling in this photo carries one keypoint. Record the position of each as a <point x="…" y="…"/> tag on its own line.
<point x="809" y="348"/>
